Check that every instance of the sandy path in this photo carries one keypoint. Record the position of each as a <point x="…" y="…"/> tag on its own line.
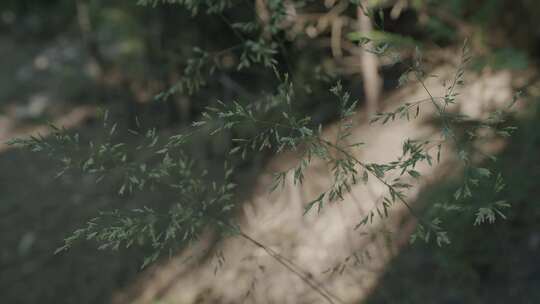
<point x="318" y="242"/>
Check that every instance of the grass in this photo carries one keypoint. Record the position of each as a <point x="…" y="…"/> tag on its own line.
<point x="36" y="212"/>
<point x="495" y="263"/>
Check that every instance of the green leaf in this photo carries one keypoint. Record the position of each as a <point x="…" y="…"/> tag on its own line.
<point x="483" y="172"/>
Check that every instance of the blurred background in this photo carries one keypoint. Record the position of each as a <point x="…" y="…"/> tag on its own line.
<point x="65" y="61"/>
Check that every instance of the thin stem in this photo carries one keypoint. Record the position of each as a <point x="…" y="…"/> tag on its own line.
<point x="316" y="286"/>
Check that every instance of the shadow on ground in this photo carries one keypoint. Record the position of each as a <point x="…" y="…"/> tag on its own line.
<point x="37" y="211"/>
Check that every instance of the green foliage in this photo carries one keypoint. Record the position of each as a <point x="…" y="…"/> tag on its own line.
<point x="271" y="124"/>
<point x="206" y="203"/>
<point x="194" y="6"/>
